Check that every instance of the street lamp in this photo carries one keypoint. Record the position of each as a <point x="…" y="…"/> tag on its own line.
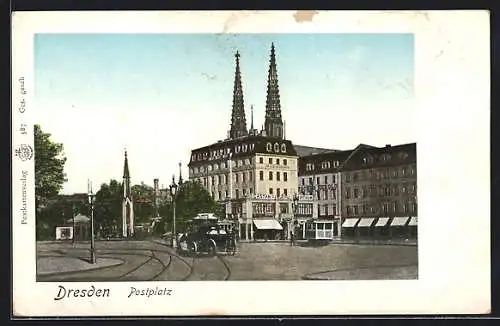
<point x="295" y="205"/>
<point x="173" y="193"/>
<point x="91" y="197"/>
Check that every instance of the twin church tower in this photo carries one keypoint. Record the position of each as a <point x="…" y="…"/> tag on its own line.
<point x="273" y="125"/>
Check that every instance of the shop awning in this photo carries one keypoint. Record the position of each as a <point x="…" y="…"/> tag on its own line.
<point x="350" y="222"/>
<point x="268" y="224"/>
<point x="413" y="221"/>
<point x="382" y="221"/>
<point x="366" y="222"/>
<point x="399" y="221"/>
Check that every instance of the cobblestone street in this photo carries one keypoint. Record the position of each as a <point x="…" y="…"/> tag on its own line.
<point x="146" y="260"/>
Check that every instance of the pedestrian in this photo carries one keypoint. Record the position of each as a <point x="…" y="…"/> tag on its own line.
<point x="291" y="238"/>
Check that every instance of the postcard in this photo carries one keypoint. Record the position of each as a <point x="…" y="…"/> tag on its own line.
<point x="250" y="163"/>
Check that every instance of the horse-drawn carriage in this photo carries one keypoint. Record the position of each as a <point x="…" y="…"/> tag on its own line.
<point x="207" y="235"/>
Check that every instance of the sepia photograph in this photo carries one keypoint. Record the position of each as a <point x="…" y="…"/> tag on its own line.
<point x="269" y="159"/>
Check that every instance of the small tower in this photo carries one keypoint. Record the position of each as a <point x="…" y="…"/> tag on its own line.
<point x="273" y="124"/>
<point x="180" y="173"/>
<point x="238" y="120"/>
<point x="127" y="202"/>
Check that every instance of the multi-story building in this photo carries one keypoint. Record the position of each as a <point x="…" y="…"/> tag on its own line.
<point x="380" y="190"/>
<point x="367" y="191"/>
<point x="252" y="173"/>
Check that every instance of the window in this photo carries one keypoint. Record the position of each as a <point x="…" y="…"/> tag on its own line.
<point x="249" y="175"/>
<point x="309" y="166"/>
<point x="355" y="192"/>
<point x="261" y="160"/>
<point x="244" y="192"/>
<point x="261" y="175"/>
<point x="356" y="212"/>
<point x="285" y="177"/>
<point x="284" y="161"/>
<point x="387" y="190"/>
<point x="414" y="207"/>
<point x="278" y="192"/>
<point x="285" y="192"/>
<point x="278" y="176"/>
<point x="326" y="179"/>
<point x="334" y="179"/>
<point x="347" y="193"/>
<point x="251" y="191"/>
<point x="310" y="180"/>
<point x="218" y="179"/>
<point x="277" y="161"/>
<point x="236" y="177"/>
<point x="270" y="191"/>
<point x="220" y="195"/>
<point x="270" y="160"/>
<point x="270" y="175"/>
<point x="317" y="180"/>
<point x="237" y="192"/>
<point x="303" y="180"/>
<point x="283" y="148"/>
<point x="227" y="194"/>
<point x="276" y="147"/>
<point x="269" y="147"/>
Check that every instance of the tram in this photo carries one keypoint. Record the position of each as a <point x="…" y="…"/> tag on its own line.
<point x="319" y="232"/>
<point x="206" y="234"/>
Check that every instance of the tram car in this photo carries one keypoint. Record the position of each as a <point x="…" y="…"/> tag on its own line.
<point x="319" y="232"/>
<point x="207" y="235"/>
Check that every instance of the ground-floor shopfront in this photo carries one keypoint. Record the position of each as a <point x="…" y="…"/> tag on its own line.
<point x="404" y="227"/>
<point x="268" y="217"/>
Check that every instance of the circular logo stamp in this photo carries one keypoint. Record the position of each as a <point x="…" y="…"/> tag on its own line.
<point x="24" y="152"/>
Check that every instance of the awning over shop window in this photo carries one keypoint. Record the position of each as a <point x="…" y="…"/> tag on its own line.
<point x="413" y="221"/>
<point x="382" y="221"/>
<point x="366" y="222"/>
<point x="350" y="222"/>
<point x="399" y="221"/>
<point x="267" y="224"/>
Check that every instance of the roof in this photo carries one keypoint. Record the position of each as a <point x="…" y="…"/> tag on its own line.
<point x="242" y="147"/>
<point x="303" y="150"/>
<point x="363" y="156"/>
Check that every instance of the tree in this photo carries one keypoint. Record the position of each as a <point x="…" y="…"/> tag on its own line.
<point x="143" y="197"/>
<point x="192" y="199"/>
<point x="108" y="205"/>
<point x="49" y="167"/>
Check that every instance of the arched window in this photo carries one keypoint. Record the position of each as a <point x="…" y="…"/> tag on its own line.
<point x="283" y="148"/>
<point x="269" y="147"/>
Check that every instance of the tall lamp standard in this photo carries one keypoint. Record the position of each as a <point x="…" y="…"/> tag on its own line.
<point x="91" y="197"/>
<point x="295" y="205"/>
<point x="173" y="193"/>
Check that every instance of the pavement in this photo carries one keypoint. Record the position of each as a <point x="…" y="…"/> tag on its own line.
<point x="56" y="265"/>
<point x="374" y="242"/>
<point x="148" y="260"/>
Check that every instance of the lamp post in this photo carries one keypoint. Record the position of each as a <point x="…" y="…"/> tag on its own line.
<point x="74" y="222"/>
<point x="91" y="197"/>
<point x="173" y="193"/>
<point x="295" y="205"/>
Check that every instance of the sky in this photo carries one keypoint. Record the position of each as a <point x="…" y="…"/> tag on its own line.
<point x="162" y="95"/>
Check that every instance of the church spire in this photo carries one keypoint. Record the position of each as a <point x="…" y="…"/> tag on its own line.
<point x="180" y="173"/>
<point x="238" y="121"/>
<point x="273" y="122"/>
<point x="126" y="173"/>
<point x="251" y="117"/>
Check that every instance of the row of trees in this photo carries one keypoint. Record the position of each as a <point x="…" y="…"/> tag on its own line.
<point x="54" y="210"/>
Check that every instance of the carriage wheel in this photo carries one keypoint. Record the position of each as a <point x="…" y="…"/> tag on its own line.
<point x="212" y="248"/>
<point x="193" y="247"/>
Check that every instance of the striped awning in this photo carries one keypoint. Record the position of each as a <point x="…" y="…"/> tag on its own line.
<point x="399" y="221"/>
<point x="366" y="222"/>
<point x="413" y="221"/>
<point x="267" y="224"/>
<point x="382" y="221"/>
<point x="350" y="222"/>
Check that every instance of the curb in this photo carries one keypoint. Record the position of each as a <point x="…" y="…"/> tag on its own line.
<point x="78" y="270"/>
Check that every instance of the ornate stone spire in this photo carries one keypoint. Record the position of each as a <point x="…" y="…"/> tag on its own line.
<point x="238" y="121"/>
<point x="273" y="121"/>
<point x="251" y="118"/>
<point x="126" y="173"/>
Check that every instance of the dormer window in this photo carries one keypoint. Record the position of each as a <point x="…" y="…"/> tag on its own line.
<point x="269" y="147"/>
<point x="365" y="160"/>
<point x="283" y="148"/>
<point x="245" y="147"/>
<point x="252" y="146"/>
<point x="216" y="166"/>
<point x="325" y="165"/>
<point x="309" y="166"/>
<point x="195" y="170"/>
<point x="209" y="167"/>
<point x="193" y="157"/>
<point x="276" y="147"/>
<point x="336" y="164"/>
<point x="402" y="155"/>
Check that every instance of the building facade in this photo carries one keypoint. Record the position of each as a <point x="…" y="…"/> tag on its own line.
<point x="369" y="191"/>
<point x="252" y="173"/>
